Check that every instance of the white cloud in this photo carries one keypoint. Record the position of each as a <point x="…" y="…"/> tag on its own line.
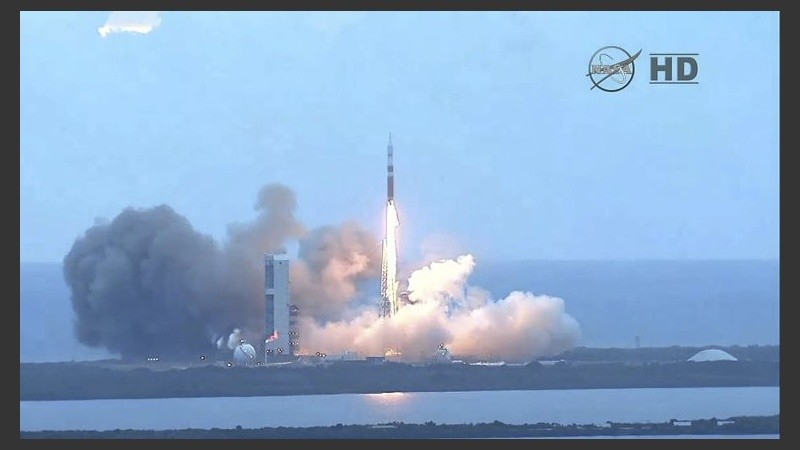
<point x="141" y="22"/>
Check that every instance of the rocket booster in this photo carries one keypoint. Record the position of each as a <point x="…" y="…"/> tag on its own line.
<point x="390" y="171"/>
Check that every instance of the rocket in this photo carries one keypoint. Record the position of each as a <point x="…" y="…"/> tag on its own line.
<point x="390" y="172"/>
<point x="389" y="303"/>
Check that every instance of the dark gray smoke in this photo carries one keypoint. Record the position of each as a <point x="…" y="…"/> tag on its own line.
<point x="148" y="283"/>
<point x="275" y="224"/>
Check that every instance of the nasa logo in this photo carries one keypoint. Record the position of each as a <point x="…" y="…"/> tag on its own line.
<point x="611" y="68"/>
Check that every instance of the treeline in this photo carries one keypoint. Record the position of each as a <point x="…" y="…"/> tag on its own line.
<point x="668" y="354"/>
<point x="398" y="430"/>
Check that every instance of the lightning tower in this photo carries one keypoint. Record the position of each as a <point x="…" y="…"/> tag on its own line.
<point x="389" y="300"/>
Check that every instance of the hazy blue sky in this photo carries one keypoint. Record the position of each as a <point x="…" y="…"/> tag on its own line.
<point x="501" y="149"/>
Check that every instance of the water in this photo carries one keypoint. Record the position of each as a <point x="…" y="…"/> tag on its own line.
<point x="514" y="407"/>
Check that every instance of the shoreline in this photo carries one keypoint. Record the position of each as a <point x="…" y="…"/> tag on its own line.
<point x="741" y="425"/>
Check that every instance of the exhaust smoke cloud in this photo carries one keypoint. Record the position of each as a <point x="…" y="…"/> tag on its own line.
<point x="147" y="283"/>
<point x="445" y="310"/>
<point x="331" y="262"/>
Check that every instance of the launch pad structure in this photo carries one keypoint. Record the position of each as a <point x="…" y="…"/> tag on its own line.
<point x="280" y="321"/>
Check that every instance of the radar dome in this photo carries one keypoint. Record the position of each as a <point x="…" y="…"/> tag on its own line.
<point x="244" y="354"/>
<point x="712" y="354"/>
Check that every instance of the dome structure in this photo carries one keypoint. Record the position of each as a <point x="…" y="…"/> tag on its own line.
<point x="712" y="354"/>
<point x="244" y="354"/>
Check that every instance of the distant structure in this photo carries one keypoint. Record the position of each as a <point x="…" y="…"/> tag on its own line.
<point x="638" y="342"/>
<point x="442" y="355"/>
<point x="280" y="318"/>
<point x="244" y="355"/>
<point x="294" y="335"/>
<point x="712" y="354"/>
<point x="347" y="355"/>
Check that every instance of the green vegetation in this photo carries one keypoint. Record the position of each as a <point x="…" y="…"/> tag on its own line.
<point x="399" y="430"/>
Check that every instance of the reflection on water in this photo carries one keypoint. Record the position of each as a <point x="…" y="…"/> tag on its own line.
<point x="388" y="398"/>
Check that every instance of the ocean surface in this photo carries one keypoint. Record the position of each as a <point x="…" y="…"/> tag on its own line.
<point x="665" y="303"/>
<point x="513" y="407"/>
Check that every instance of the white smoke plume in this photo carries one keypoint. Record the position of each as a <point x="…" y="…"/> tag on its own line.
<point x="441" y="280"/>
<point x="233" y="339"/>
<point x="140" y="22"/>
<point x="446" y="310"/>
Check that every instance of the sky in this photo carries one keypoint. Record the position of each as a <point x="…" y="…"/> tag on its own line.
<point x="501" y="148"/>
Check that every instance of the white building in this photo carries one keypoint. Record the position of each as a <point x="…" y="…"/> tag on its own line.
<point x="712" y="354"/>
<point x="280" y="314"/>
<point x="244" y="355"/>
